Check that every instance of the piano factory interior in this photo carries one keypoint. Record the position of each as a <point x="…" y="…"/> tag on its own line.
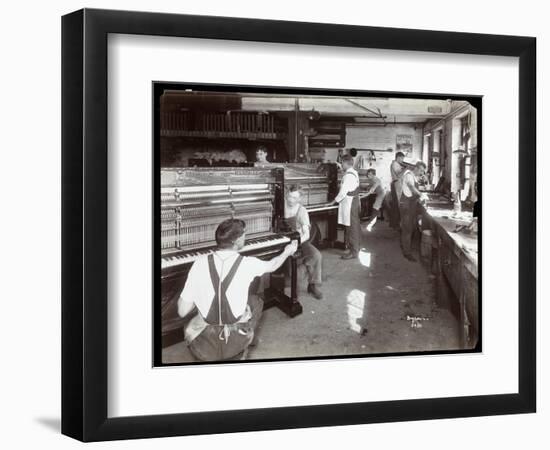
<point x="353" y="221"/>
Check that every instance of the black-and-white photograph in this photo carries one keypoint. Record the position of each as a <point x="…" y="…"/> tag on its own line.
<point x="299" y="224"/>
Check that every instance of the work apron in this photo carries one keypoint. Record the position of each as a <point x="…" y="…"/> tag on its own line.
<point x="344" y="208"/>
<point x="220" y="335"/>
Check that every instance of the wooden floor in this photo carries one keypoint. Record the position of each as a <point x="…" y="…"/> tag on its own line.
<point x="393" y="298"/>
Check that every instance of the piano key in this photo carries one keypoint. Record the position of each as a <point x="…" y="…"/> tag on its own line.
<point x="250" y="245"/>
<point x="321" y="208"/>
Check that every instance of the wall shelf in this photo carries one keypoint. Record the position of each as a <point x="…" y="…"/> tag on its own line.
<point x="221" y="134"/>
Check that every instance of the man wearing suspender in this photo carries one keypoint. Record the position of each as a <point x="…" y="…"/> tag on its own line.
<point x="396" y="170"/>
<point x="349" y="208"/>
<point x="408" y="206"/>
<point x="218" y="284"/>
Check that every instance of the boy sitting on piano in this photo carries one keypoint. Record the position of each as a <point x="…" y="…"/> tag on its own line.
<point x="297" y="219"/>
<point x="218" y="284"/>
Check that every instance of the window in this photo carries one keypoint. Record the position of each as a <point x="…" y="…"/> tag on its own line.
<point x="465" y="131"/>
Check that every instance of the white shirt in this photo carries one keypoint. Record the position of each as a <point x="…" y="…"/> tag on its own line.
<point x="408" y="178"/>
<point x="375" y="185"/>
<point x="199" y="290"/>
<point x="350" y="182"/>
<point x="303" y="223"/>
<point x="396" y="170"/>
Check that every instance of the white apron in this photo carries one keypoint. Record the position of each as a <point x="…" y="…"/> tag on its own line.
<point x="344" y="207"/>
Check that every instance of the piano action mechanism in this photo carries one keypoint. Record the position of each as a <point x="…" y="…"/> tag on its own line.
<point x="194" y="201"/>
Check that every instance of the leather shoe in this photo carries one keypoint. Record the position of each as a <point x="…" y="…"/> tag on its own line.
<point x="313" y="290"/>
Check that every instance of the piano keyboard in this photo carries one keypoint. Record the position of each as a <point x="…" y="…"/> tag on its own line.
<point x="321" y="208"/>
<point x="178" y="259"/>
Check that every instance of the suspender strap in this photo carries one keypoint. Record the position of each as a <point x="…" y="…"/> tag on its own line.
<point x="213" y="273"/>
<point x="220" y="312"/>
<point x="229" y="278"/>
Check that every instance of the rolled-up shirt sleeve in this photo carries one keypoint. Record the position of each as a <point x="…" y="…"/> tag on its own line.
<point x="254" y="267"/>
<point x="190" y="291"/>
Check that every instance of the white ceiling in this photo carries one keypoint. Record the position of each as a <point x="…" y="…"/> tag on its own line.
<point x="364" y="109"/>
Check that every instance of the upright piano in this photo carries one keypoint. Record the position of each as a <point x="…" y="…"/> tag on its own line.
<point x="194" y="201"/>
<point x="319" y="183"/>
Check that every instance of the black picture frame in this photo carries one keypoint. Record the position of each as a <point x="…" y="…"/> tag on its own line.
<point x="84" y="224"/>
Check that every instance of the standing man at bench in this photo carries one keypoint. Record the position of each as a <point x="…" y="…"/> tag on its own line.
<point x="410" y="197"/>
<point x="349" y="208"/>
<point x="396" y="170"/>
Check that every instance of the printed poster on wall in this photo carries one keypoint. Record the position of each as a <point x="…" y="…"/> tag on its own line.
<point x="404" y="143"/>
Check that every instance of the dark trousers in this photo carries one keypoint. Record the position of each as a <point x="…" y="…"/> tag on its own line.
<point x="210" y="345"/>
<point x="312" y="259"/>
<point x="256" y="308"/>
<point x="408" y="209"/>
<point x="394" y="209"/>
<point x="352" y="234"/>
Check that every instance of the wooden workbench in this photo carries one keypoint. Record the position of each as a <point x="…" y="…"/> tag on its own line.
<point x="455" y="263"/>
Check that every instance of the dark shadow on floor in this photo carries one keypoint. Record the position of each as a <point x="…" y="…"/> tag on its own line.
<point x="53" y="423"/>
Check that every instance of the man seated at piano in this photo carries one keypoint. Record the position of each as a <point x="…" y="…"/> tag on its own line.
<point x="218" y="285"/>
<point x="297" y="219"/>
